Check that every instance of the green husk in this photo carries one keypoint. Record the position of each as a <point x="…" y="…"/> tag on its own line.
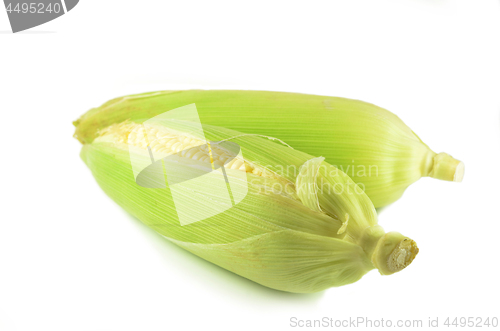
<point x="302" y="239"/>
<point x="372" y="145"/>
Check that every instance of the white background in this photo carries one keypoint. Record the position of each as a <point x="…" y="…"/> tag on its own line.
<point x="70" y="259"/>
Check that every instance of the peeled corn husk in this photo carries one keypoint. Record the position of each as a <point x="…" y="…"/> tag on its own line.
<point x="287" y="232"/>
<point x="372" y="145"/>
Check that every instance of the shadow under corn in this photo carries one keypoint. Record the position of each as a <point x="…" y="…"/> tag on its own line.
<point x="217" y="277"/>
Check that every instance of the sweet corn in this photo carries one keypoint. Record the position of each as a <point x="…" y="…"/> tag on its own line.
<point x="372" y="145"/>
<point x="297" y="227"/>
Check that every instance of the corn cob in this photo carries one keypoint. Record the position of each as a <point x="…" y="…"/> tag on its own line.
<point x="372" y="145"/>
<point x="292" y="231"/>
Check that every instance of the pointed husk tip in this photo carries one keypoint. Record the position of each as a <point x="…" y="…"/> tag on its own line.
<point x="447" y="168"/>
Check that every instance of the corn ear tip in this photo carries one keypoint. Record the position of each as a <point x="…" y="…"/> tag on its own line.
<point x="446" y="167"/>
<point x="403" y="255"/>
<point x="393" y="253"/>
